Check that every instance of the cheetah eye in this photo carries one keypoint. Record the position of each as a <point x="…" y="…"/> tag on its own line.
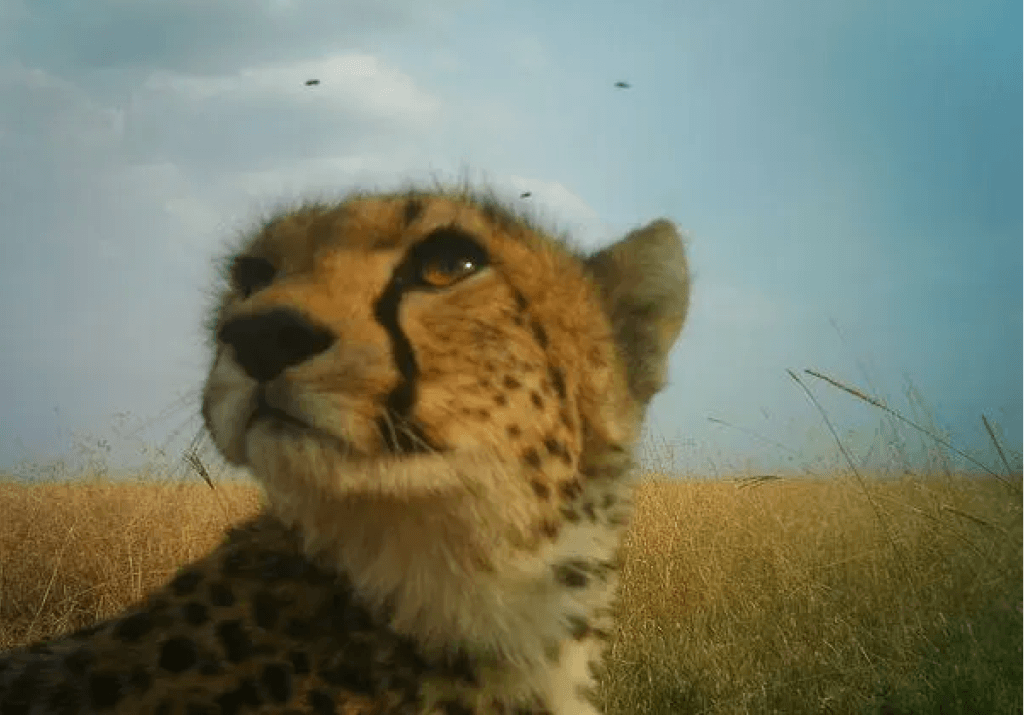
<point x="250" y="274"/>
<point x="446" y="257"/>
<point x="445" y="271"/>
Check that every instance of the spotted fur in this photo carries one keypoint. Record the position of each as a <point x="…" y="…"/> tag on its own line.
<point x="441" y="401"/>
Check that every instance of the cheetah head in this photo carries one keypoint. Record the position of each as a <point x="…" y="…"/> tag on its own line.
<point x="429" y="378"/>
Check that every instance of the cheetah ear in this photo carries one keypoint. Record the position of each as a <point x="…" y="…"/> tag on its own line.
<point x="645" y="285"/>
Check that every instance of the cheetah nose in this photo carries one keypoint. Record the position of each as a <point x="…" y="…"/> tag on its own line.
<point x="267" y="343"/>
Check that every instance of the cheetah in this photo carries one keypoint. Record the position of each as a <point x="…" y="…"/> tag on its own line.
<point x="441" y="401"/>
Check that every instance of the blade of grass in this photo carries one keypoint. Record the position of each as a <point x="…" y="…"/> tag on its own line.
<point x="860" y="481"/>
<point x="874" y="402"/>
<point x="999" y="447"/>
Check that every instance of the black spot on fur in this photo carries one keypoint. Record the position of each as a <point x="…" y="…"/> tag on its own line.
<point x="221" y="594"/>
<point x="140" y="679"/>
<point x="510" y="383"/>
<point x="299" y="661"/>
<point x="578" y="627"/>
<point x="177" y="655"/>
<point x="236" y="643"/>
<point x="195" y="613"/>
<point x="572" y="574"/>
<point x="520" y="299"/>
<point x="245" y="695"/>
<point x="513" y="431"/>
<point x="104" y="691"/>
<point x="558" y="381"/>
<point x="277" y="681"/>
<point x="354" y="675"/>
<point x="539" y="334"/>
<point x="133" y="627"/>
<point x="531" y="457"/>
<point x="554" y="447"/>
<point x="78" y="661"/>
<point x="266" y="609"/>
<point x="540" y="489"/>
<point x="537" y="400"/>
<point x="280" y="567"/>
<point x="320" y="703"/>
<point x="460" y="666"/>
<point x="185" y="583"/>
<point x="569" y="515"/>
<point x="298" y="628"/>
<point x="64" y="700"/>
<point x="571" y="489"/>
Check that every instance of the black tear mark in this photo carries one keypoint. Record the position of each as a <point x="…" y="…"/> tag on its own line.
<point x="399" y="432"/>
<point x="400" y="400"/>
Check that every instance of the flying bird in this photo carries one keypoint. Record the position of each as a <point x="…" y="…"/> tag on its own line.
<point x="312" y="82"/>
<point x="526" y="194"/>
<point x="622" y="85"/>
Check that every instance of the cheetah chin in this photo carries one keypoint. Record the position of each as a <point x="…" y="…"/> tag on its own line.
<point x="441" y="401"/>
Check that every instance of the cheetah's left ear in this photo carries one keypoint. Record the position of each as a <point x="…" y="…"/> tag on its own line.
<point x="645" y="284"/>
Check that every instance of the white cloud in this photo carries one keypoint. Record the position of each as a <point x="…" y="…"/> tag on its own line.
<point x="347" y="81"/>
<point x="265" y="117"/>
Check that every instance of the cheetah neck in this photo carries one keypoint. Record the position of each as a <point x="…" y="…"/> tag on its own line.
<point x="442" y="567"/>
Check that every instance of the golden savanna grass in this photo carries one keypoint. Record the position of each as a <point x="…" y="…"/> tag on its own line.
<point x="784" y="596"/>
<point x="76" y="552"/>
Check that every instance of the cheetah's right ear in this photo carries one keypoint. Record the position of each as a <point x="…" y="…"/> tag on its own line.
<point x="645" y="285"/>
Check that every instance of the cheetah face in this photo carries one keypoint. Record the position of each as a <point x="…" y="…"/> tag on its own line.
<point x="408" y="329"/>
<point x="436" y="345"/>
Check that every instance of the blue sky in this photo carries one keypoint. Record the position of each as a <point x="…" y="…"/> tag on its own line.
<point x="849" y="174"/>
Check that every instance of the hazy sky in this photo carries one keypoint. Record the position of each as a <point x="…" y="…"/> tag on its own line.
<point x="849" y="172"/>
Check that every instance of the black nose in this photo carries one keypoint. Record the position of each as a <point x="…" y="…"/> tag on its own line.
<point x="267" y="343"/>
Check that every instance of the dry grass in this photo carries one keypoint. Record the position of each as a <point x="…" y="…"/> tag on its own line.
<point x="786" y="596"/>
<point x="73" y="553"/>
<point x="797" y="597"/>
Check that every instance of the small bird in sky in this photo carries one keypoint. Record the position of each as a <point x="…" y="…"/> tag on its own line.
<point x="526" y="194"/>
<point x="622" y="85"/>
<point x="312" y="82"/>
